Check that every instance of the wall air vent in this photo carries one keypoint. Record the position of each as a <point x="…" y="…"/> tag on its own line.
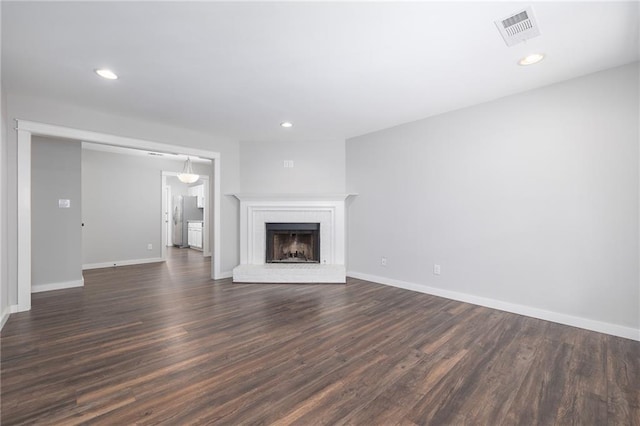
<point x="518" y="27"/>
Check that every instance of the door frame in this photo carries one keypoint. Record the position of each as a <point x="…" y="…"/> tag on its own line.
<point x="206" y="241"/>
<point x="164" y="220"/>
<point x="25" y="129"/>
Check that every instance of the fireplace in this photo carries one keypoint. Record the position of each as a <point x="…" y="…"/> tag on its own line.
<point x="326" y="214"/>
<point x="293" y="243"/>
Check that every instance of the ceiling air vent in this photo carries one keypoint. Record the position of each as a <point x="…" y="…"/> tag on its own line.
<point x="518" y="27"/>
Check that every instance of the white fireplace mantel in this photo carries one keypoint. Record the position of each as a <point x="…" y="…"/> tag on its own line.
<point x="256" y="210"/>
<point x="291" y="197"/>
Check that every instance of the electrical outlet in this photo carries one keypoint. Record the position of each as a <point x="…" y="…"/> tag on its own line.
<point x="149" y="246"/>
<point x="383" y="261"/>
<point x="436" y="269"/>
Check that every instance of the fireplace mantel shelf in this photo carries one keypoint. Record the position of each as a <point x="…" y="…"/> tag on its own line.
<point x="291" y="197"/>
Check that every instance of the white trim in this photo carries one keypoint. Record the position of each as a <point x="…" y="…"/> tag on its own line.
<point x="291" y="197"/>
<point x="225" y="274"/>
<point x="165" y="234"/>
<point x="557" y="317"/>
<point x="217" y="242"/>
<point x="11" y="309"/>
<point x="38" y="288"/>
<point x="24" y="220"/>
<point x="206" y="244"/>
<point x="107" y="139"/>
<point x="116" y="263"/>
<point x="25" y="129"/>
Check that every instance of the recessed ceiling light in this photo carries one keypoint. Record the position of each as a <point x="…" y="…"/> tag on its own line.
<point x="286" y="124"/>
<point x="108" y="74"/>
<point x="534" y="58"/>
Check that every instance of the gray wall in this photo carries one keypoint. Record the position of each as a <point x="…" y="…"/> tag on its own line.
<point x="531" y="199"/>
<point x="177" y="187"/>
<point x="121" y="205"/>
<point x="319" y="167"/>
<point x="62" y="114"/>
<point x="56" y="233"/>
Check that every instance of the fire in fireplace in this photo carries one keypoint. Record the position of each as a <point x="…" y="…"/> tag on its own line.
<point x="293" y="243"/>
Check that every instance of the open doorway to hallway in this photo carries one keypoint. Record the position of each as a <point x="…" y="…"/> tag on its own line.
<point x="185" y="213"/>
<point x="26" y="129"/>
<point x="124" y="207"/>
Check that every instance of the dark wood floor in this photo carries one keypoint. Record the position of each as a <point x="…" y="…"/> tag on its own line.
<point x="163" y="344"/>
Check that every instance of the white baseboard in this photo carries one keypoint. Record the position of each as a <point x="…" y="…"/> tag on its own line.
<point x="38" y="288"/>
<point x="4" y="319"/>
<point x="585" y="323"/>
<point x="121" y="263"/>
<point x="11" y="309"/>
<point x="225" y="274"/>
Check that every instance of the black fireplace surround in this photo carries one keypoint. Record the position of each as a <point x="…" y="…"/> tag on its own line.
<point x="293" y="243"/>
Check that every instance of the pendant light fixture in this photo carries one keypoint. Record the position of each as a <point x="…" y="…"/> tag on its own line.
<point x="187" y="175"/>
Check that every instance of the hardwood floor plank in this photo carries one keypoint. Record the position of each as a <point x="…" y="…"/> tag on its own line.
<point x="165" y="344"/>
<point x="623" y="381"/>
<point x="537" y="401"/>
<point x="443" y="400"/>
<point x="489" y="403"/>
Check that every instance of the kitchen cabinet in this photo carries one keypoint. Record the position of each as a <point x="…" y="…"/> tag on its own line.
<point x="198" y="192"/>
<point x="194" y="235"/>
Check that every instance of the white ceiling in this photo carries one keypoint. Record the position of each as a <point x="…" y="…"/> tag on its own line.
<point x="336" y="70"/>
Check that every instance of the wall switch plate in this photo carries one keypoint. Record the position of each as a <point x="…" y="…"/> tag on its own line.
<point x="64" y="204"/>
<point x="288" y="164"/>
<point x="383" y="261"/>
<point x="436" y="269"/>
<point x="149" y="246"/>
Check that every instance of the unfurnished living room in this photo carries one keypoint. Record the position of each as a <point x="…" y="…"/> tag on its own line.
<point x="364" y="213"/>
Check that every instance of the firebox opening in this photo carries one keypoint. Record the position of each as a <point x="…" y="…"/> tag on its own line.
<point x="293" y="243"/>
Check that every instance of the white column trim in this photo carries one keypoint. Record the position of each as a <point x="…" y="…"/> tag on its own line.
<point x="216" y="249"/>
<point x="24" y="220"/>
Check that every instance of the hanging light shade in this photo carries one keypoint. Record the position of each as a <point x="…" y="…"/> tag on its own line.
<point x="187" y="175"/>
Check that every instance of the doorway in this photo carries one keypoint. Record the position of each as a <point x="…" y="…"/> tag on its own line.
<point x="172" y="190"/>
<point x="25" y="130"/>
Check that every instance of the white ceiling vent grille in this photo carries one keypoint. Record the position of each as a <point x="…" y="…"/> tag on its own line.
<point x="518" y="27"/>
